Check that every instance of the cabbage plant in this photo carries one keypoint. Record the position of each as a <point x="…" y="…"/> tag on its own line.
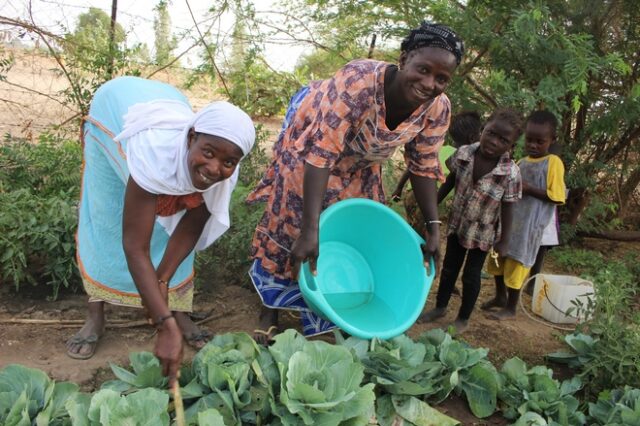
<point x="147" y="407"/>
<point x="320" y="384"/>
<point x="235" y="376"/>
<point x="28" y="396"/>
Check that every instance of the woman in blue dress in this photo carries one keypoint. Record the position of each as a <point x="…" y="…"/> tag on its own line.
<point x="156" y="185"/>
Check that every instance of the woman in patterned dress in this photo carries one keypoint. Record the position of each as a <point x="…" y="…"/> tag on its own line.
<point x="336" y="135"/>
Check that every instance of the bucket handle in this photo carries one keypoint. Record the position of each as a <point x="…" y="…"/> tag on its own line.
<point x="546" y="295"/>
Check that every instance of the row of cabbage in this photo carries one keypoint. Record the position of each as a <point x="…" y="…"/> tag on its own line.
<point x="294" y="381"/>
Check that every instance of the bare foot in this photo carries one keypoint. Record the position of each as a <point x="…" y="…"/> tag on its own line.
<point x="496" y="302"/>
<point x="502" y="315"/>
<point x="193" y="335"/>
<point x="268" y="326"/>
<point x="82" y="345"/>
<point x="460" y="326"/>
<point x="434" y="314"/>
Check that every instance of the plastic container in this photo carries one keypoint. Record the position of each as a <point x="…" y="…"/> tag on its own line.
<point x="371" y="279"/>
<point x="553" y="294"/>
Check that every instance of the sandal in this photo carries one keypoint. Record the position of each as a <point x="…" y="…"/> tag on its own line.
<point x="194" y="339"/>
<point x="269" y="334"/>
<point x="91" y="340"/>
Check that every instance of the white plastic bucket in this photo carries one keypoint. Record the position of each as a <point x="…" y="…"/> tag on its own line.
<point x="553" y="294"/>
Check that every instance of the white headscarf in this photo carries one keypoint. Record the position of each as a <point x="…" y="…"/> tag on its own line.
<point x="156" y="134"/>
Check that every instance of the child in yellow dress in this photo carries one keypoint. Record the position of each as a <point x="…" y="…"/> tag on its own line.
<point x="542" y="189"/>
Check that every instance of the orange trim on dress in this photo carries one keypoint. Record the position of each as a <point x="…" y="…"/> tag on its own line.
<point x="107" y="132"/>
<point x="86" y="276"/>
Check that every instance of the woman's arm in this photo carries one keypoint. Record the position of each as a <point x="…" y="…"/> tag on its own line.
<point x="182" y="241"/>
<point x="137" y="226"/>
<point x="137" y="223"/>
<point x="424" y="189"/>
<point x="306" y="246"/>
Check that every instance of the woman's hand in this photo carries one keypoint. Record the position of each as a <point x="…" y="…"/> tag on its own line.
<point x="431" y="249"/>
<point x="169" y="349"/>
<point x="305" y="248"/>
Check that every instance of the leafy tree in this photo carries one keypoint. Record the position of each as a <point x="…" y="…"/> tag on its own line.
<point x="244" y="76"/>
<point x="577" y="58"/>
<point x="88" y="59"/>
<point x="91" y="36"/>
<point x="165" y="42"/>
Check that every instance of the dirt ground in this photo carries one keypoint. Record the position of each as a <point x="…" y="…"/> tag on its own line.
<point x="232" y="308"/>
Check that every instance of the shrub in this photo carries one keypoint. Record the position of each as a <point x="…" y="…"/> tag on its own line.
<point x="39" y="187"/>
<point x="613" y="358"/>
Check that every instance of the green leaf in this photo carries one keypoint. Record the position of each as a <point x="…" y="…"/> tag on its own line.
<point x="420" y="413"/>
<point x="78" y="408"/>
<point x="285" y="345"/>
<point x="480" y="385"/>
<point x="19" y="413"/>
<point x="147" y="372"/>
<point x="147" y="407"/>
<point x="55" y="405"/>
<point x="210" y="417"/>
<point x="531" y="419"/>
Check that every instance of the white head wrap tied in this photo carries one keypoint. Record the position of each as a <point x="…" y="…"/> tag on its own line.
<point x="156" y="146"/>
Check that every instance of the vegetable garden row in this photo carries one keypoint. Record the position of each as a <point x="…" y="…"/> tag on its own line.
<point x="235" y="381"/>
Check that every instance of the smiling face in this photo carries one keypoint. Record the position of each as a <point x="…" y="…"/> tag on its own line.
<point x="497" y="137"/>
<point x="425" y="73"/>
<point x="538" y="137"/>
<point x="210" y="159"/>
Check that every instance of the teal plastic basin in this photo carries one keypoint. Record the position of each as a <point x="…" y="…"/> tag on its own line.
<point x="371" y="279"/>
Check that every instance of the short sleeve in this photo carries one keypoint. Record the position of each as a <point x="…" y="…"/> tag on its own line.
<point x="513" y="188"/>
<point x="336" y="107"/>
<point x="421" y="154"/>
<point x="451" y="163"/>
<point x="556" y="190"/>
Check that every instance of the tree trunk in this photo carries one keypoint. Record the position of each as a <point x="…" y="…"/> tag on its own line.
<point x="627" y="190"/>
<point x="112" y="37"/>
<point x="372" y="46"/>
<point x="613" y="235"/>
<point x="578" y="199"/>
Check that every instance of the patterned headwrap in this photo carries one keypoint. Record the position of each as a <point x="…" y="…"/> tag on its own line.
<point x="434" y="35"/>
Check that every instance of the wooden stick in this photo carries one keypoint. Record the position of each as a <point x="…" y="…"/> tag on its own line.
<point x="62" y="323"/>
<point x="177" y="400"/>
<point x="51" y="321"/>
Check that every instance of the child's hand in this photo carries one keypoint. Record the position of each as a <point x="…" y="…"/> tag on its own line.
<point x="526" y="188"/>
<point x="396" y="195"/>
<point x="501" y="248"/>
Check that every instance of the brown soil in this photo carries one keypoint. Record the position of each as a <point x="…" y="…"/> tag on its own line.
<point x="234" y="308"/>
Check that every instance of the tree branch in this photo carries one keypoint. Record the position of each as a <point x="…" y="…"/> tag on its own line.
<point x="206" y="46"/>
<point x="486" y="96"/>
